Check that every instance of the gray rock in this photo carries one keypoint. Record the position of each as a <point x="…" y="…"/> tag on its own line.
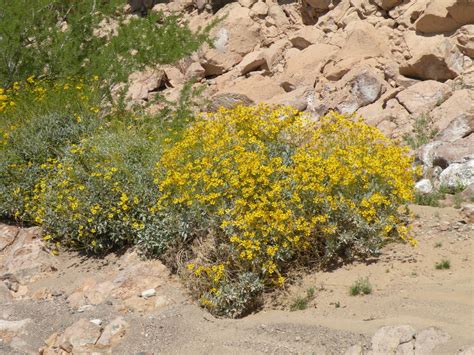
<point x="428" y="339"/>
<point x="149" y="293"/>
<point x="393" y="339"/>
<point x="458" y="174"/>
<point x="424" y="186"/>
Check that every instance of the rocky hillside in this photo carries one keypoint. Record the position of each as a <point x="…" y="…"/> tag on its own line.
<point x="405" y="66"/>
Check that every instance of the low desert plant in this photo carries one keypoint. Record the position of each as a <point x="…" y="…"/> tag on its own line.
<point x="301" y="302"/>
<point x="443" y="265"/>
<point x="361" y="286"/>
<point x="429" y="199"/>
<point x="422" y="133"/>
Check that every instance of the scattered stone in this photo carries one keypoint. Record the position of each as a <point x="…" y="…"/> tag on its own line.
<point x="148" y="293"/>
<point x="84" y="308"/>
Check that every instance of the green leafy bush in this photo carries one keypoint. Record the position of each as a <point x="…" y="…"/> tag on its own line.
<point x="32" y="41"/>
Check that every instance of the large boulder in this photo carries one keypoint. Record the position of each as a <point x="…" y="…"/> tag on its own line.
<point x="424" y="96"/>
<point x="302" y="67"/>
<point x="394" y="340"/>
<point x="234" y="37"/>
<point x="436" y="58"/>
<point x="458" y="174"/>
<point x="442" y="154"/>
<point x="454" y="118"/>
<point x="445" y="16"/>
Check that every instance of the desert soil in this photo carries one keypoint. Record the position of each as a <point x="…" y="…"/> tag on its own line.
<point x="407" y="290"/>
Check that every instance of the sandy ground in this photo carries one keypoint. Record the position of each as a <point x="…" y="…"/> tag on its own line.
<point x="407" y="289"/>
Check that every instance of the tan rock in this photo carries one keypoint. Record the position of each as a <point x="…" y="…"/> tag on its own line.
<point x="195" y="71"/>
<point x="305" y="37"/>
<point x="247" y="3"/>
<point x="304" y="66"/>
<point x="358" y="88"/>
<point x="435" y="58"/>
<point x="260" y="9"/>
<point x="388" y="4"/>
<point x="465" y="38"/>
<point x="299" y="98"/>
<point x="278" y="15"/>
<point x="8" y="235"/>
<point x="236" y="36"/>
<point x="424" y="96"/>
<point x="237" y="33"/>
<point x="80" y="337"/>
<point x="362" y="41"/>
<point x="112" y="333"/>
<point x="253" y="61"/>
<point x="257" y="88"/>
<point x="445" y="16"/>
<point x="468" y="215"/>
<point x="27" y="258"/>
<point x="454" y="117"/>
<point x="216" y="62"/>
<point x="142" y="83"/>
<point x="408" y="12"/>
<point x="107" y="28"/>
<point x="275" y="53"/>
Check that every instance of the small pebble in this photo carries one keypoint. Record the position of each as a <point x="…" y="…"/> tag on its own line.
<point x="149" y="293"/>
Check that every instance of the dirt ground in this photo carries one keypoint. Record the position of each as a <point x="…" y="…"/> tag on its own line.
<point x="407" y="290"/>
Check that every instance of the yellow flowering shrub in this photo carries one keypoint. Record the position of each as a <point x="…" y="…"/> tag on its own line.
<point x="275" y="189"/>
<point x="41" y="120"/>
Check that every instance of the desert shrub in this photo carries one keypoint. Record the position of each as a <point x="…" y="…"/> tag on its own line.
<point x="275" y="190"/>
<point x="96" y="196"/>
<point x="361" y="286"/>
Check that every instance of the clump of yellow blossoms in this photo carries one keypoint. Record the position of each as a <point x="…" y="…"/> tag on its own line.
<point x="275" y="189"/>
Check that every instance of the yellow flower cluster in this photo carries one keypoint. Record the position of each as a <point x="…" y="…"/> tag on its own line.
<point x="275" y="185"/>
